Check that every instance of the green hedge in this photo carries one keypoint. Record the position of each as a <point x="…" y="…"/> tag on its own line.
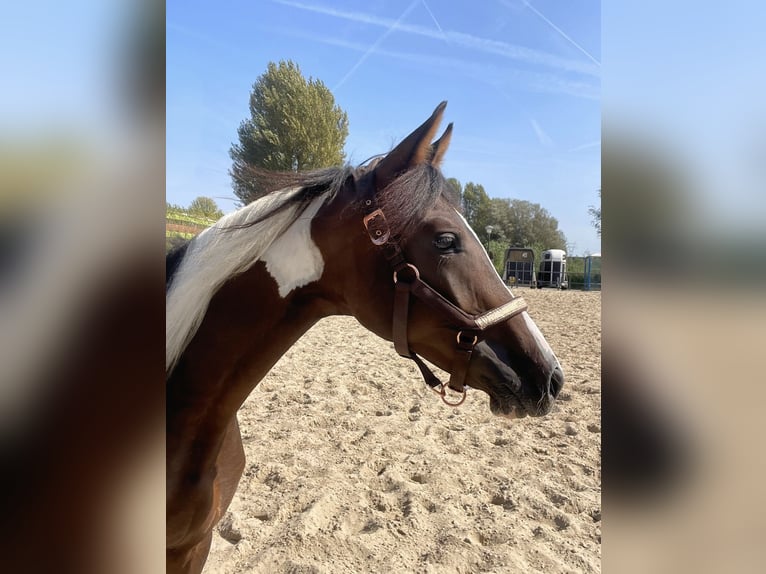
<point x="181" y="234"/>
<point x="180" y="217"/>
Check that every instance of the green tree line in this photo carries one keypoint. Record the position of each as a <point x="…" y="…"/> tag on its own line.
<point x="502" y="222"/>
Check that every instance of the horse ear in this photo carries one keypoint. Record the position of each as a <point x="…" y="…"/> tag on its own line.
<point x="439" y="147"/>
<point x="413" y="150"/>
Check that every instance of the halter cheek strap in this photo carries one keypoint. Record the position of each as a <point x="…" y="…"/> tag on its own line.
<point x="407" y="283"/>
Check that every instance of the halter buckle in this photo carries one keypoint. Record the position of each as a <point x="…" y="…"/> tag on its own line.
<point x="377" y="227"/>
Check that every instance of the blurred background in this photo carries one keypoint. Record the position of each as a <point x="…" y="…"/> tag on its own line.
<point x="683" y="157"/>
<point x="82" y="148"/>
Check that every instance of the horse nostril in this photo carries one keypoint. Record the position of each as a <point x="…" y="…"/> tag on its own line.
<point x="556" y="381"/>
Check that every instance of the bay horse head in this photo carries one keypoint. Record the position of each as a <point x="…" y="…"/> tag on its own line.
<point x="411" y="269"/>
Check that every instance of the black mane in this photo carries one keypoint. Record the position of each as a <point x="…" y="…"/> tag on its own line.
<point x="172" y="261"/>
<point x="404" y="201"/>
<point x="411" y="195"/>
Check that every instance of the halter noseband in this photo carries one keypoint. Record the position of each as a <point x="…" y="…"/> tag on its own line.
<point x="408" y="283"/>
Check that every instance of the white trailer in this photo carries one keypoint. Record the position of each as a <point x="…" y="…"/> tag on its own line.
<point x="553" y="269"/>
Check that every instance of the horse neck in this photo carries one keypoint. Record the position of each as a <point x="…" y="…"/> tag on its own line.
<point x="232" y="351"/>
<point x="237" y="341"/>
<point x="250" y="322"/>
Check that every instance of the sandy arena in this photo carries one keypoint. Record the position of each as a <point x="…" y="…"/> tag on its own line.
<point x="354" y="466"/>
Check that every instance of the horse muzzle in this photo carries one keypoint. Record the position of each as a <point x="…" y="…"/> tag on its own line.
<point x="514" y="392"/>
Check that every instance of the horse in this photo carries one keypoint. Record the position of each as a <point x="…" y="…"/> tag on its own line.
<point x="385" y="243"/>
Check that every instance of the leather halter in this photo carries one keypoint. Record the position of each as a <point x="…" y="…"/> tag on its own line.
<point x="408" y="283"/>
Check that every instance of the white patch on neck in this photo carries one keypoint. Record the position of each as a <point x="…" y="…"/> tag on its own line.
<point x="293" y="259"/>
<point x="223" y="251"/>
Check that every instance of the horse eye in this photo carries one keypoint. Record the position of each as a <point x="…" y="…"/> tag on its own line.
<point x="445" y="242"/>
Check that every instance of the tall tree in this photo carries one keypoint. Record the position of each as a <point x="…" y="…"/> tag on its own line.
<point x="205" y="207"/>
<point x="294" y="125"/>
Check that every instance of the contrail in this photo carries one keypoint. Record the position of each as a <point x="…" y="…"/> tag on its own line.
<point x="560" y="31"/>
<point x="486" y="45"/>
<point x="377" y="43"/>
<point x="435" y="21"/>
<point x="481" y="71"/>
<point x="589" y="145"/>
<point x="542" y="137"/>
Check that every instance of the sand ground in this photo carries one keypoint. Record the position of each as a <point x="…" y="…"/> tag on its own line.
<point x="354" y="466"/>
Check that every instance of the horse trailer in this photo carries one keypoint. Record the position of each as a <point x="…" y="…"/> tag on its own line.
<point x="553" y="269"/>
<point x="519" y="267"/>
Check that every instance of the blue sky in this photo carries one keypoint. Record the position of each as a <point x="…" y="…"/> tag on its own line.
<point x="522" y="80"/>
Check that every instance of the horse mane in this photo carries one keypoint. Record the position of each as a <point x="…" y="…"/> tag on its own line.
<point x="411" y="195"/>
<point x="172" y="260"/>
<point x="230" y="247"/>
<point x="198" y="269"/>
<point x="403" y="201"/>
